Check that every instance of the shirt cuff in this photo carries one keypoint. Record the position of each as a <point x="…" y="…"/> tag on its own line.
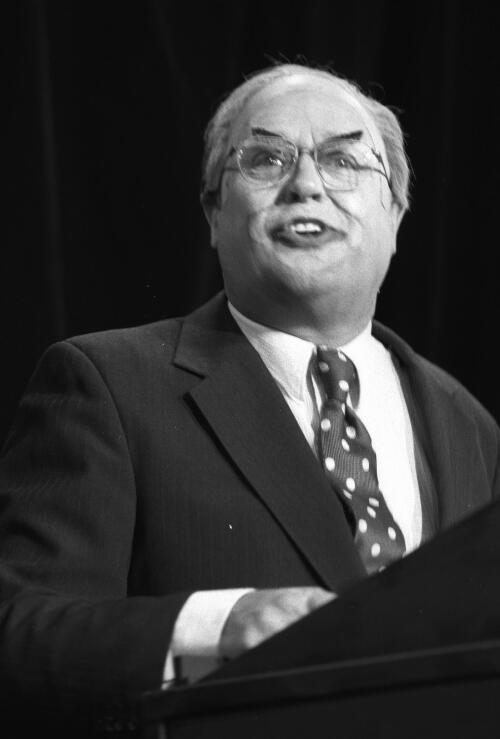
<point x="199" y="625"/>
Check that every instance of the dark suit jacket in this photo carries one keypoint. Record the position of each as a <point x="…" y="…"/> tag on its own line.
<point x="150" y="462"/>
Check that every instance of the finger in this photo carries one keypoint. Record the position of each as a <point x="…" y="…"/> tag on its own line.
<point x="258" y="615"/>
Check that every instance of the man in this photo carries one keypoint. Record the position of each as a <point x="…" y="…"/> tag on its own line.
<point x="169" y="490"/>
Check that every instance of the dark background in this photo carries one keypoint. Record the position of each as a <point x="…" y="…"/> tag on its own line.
<point x="105" y="105"/>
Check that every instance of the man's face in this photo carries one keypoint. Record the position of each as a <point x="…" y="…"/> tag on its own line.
<point x="254" y="228"/>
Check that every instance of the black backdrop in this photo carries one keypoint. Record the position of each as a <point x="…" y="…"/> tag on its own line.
<point x="105" y="104"/>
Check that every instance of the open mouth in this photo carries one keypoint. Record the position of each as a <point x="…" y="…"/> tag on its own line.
<point x="304" y="231"/>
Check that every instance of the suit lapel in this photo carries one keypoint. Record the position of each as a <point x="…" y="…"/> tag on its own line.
<point x="247" y="413"/>
<point x="450" y="434"/>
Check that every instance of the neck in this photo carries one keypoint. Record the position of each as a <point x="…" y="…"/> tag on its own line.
<point x="332" y="325"/>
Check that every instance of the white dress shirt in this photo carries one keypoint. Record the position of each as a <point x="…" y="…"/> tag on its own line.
<point x="382" y="409"/>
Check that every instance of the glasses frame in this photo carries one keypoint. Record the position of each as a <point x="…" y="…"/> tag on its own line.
<point x="313" y="153"/>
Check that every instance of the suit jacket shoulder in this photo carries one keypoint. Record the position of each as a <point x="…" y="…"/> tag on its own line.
<point x="440" y="378"/>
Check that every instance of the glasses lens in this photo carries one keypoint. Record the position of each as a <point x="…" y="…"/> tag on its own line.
<point x="266" y="160"/>
<point x="340" y="162"/>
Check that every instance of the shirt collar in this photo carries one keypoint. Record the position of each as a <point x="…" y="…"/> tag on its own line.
<point x="288" y="357"/>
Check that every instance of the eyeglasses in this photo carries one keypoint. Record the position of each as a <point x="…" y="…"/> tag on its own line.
<point x="268" y="160"/>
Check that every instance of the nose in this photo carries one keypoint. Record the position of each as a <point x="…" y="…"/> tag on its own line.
<point x="304" y="181"/>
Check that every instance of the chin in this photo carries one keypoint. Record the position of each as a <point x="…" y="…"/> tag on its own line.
<point x="302" y="285"/>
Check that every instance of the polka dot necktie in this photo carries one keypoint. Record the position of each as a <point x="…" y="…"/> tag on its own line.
<point x="350" y="464"/>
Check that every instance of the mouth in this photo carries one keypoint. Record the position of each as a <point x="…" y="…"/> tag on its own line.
<point x="308" y="232"/>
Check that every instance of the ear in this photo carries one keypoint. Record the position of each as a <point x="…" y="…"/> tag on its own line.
<point x="396" y="215"/>
<point x="210" y="205"/>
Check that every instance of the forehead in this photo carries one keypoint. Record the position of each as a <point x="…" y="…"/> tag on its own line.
<point x="305" y="108"/>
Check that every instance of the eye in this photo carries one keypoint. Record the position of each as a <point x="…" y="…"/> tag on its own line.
<point x="264" y="161"/>
<point x="335" y="159"/>
<point x="265" y="158"/>
<point x="344" y="162"/>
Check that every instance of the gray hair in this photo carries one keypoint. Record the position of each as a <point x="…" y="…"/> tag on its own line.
<point x="219" y="127"/>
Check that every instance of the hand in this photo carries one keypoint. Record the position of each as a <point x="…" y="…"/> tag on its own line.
<point x="260" y="614"/>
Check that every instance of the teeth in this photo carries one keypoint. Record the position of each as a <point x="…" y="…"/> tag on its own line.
<point x="306" y="228"/>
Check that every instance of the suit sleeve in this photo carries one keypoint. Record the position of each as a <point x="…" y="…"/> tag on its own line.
<point x="71" y="642"/>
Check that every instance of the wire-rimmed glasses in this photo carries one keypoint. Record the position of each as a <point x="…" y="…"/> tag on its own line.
<point x="339" y="161"/>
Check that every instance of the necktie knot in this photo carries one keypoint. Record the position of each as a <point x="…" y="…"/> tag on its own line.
<point x="337" y="374"/>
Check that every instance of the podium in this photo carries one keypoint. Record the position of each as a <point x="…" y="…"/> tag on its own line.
<point x="453" y="691"/>
<point x="412" y="652"/>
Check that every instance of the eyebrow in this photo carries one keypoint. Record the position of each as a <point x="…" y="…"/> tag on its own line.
<point x="349" y="136"/>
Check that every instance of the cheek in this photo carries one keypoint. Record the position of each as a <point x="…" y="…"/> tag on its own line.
<point x="371" y="221"/>
<point x="258" y="226"/>
<point x="244" y="218"/>
<point x="230" y="223"/>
